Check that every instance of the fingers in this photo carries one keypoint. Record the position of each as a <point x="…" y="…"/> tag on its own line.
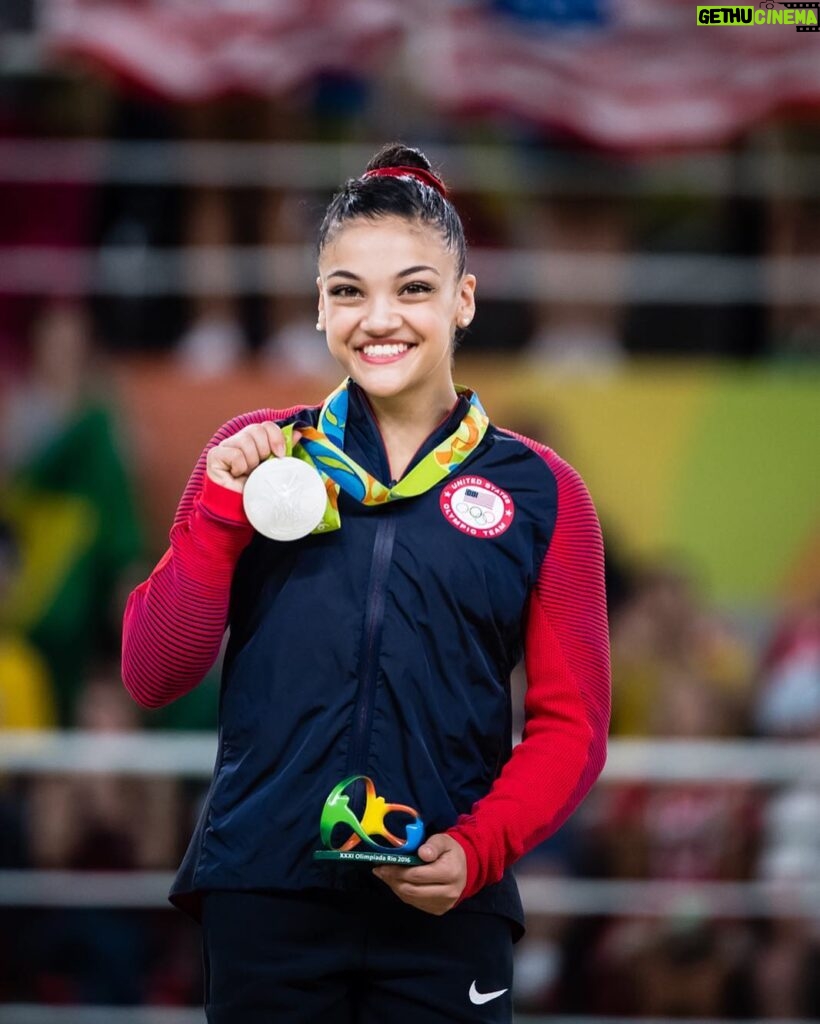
<point x="433" y="899"/>
<point x="237" y="456"/>
<point x="402" y="887"/>
<point x="424" y="874"/>
<point x="431" y="894"/>
<point x="448" y="867"/>
<point x="261" y="440"/>
<point x="243" y="454"/>
<point x="435" y="886"/>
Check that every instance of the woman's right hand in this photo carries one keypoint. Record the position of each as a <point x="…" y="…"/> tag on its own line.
<point x="231" y="462"/>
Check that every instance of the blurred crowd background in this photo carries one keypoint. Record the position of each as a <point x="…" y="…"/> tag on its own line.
<point x="642" y="199"/>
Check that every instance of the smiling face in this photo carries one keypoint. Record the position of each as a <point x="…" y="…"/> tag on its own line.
<point x="390" y="299"/>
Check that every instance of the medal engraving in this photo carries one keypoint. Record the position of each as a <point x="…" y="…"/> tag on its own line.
<point x="284" y="498"/>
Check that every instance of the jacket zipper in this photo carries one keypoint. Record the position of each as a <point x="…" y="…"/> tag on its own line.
<point x="369" y="661"/>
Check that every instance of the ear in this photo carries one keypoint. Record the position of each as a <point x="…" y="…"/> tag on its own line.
<point x="321" y="307"/>
<point x="466" y="301"/>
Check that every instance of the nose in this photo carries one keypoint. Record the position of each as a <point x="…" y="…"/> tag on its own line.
<point x="380" y="317"/>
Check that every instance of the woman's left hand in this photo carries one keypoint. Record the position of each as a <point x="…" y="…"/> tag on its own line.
<point x="434" y="886"/>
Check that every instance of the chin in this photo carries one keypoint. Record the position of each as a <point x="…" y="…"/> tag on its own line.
<point x="383" y="382"/>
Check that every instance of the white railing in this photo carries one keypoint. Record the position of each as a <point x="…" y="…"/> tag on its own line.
<point x="189" y="754"/>
<point x="501" y="169"/>
<point x="148" y="890"/>
<point x="192" y="754"/>
<point x="521" y="274"/>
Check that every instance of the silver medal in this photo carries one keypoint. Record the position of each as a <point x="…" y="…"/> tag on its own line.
<point x="284" y="498"/>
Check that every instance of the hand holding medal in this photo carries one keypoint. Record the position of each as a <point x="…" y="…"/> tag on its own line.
<point x="284" y="498"/>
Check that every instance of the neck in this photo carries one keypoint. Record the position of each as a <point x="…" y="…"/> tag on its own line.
<point x="405" y="423"/>
<point x="407" y="414"/>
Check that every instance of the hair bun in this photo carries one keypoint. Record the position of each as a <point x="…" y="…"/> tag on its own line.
<point x="396" y="160"/>
<point x="395" y="154"/>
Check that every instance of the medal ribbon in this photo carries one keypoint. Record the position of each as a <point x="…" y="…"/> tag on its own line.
<point x="322" y="447"/>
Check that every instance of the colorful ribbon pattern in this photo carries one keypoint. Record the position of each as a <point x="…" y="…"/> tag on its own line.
<point x="323" y="448"/>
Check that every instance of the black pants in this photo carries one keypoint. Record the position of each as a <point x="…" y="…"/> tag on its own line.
<point x="351" y="959"/>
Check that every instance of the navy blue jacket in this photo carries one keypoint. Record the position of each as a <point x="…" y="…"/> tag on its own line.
<point x="383" y="649"/>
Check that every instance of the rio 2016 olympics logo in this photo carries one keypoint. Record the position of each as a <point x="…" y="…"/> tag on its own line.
<point x="337" y="811"/>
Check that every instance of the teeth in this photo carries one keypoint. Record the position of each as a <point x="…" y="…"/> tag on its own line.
<point x="384" y="350"/>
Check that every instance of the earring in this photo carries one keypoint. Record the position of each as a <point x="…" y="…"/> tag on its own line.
<point x="319" y="325"/>
<point x="465" y="321"/>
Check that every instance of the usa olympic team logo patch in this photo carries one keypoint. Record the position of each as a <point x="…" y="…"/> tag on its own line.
<point x="477" y="507"/>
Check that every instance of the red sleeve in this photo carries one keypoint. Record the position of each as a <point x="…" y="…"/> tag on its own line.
<point x="174" y="621"/>
<point x="567" y="701"/>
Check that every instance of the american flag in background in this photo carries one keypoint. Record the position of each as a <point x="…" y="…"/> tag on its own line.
<point x="193" y="50"/>
<point x="622" y="74"/>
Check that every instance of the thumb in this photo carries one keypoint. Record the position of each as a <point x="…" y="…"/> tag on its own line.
<point x="432" y="848"/>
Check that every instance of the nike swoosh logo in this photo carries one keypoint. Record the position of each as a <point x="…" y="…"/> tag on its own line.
<point x="484" y="997"/>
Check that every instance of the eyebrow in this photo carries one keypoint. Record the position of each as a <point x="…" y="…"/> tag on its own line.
<point x="404" y="273"/>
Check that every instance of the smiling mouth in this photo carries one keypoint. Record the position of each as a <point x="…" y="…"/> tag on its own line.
<point x="384" y="351"/>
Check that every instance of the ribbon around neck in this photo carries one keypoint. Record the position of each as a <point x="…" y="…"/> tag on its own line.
<point x="322" y="447"/>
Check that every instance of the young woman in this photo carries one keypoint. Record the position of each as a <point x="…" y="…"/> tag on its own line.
<point x="379" y="647"/>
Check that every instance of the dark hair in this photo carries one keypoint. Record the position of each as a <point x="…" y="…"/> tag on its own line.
<point x="404" y="196"/>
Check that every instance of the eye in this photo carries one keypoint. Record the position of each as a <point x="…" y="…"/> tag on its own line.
<point x="345" y="291"/>
<point x="417" y="288"/>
